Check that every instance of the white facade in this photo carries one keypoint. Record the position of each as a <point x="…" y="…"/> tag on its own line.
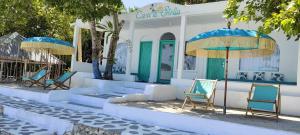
<point x="185" y="22"/>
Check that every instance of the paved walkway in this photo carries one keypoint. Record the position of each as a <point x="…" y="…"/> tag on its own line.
<point x="18" y="127"/>
<point x="91" y="119"/>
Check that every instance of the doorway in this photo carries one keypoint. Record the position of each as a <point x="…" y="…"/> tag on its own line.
<point x="145" y="61"/>
<point x="166" y="58"/>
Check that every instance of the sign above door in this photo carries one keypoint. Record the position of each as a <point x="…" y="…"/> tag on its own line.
<point x="158" y="11"/>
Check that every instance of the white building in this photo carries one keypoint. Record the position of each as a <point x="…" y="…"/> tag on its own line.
<point x="154" y="40"/>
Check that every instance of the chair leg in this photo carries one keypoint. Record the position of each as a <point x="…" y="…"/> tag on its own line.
<point x="194" y="105"/>
<point x="55" y="88"/>
<point x="277" y="112"/>
<point x="191" y="102"/>
<point x="46" y="86"/>
<point x="62" y="86"/>
<point x="32" y="83"/>
<point x="208" y="104"/>
<point x="213" y="107"/>
<point x="184" y="103"/>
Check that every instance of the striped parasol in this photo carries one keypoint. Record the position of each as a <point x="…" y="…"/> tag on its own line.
<point x="52" y="45"/>
<point x="231" y="43"/>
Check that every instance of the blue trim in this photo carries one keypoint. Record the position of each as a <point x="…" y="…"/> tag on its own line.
<point x="48" y="40"/>
<point x="230" y="32"/>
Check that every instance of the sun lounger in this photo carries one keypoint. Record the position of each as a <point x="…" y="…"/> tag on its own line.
<point x="201" y="91"/>
<point x="60" y="81"/>
<point x="36" y="78"/>
<point x="264" y="98"/>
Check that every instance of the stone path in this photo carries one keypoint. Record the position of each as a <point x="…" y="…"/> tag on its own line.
<point x="18" y="127"/>
<point x="91" y="119"/>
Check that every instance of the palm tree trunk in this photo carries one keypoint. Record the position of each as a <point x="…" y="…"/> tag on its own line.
<point x="96" y="46"/>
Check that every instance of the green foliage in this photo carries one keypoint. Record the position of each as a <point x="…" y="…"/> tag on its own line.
<point x="189" y="2"/>
<point x="34" y="18"/>
<point x="131" y="10"/>
<point x="92" y="11"/>
<point x="182" y="2"/>
<point x="274" y="14"/>
<point x="107" y="28"/>
<point x="87" y="10"/>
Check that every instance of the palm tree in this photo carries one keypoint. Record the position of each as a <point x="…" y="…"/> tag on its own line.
<point x="113" y="30"/>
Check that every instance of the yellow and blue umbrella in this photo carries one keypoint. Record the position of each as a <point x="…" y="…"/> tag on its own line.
<point x="52" y="45"/>
<point x="231" y="43"/>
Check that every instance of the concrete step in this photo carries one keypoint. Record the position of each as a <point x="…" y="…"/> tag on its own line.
<point x="10" y="126"/>
<point x="96" y="101"/>
<point x="68" y="121"/>
<point x="87" y="100"/>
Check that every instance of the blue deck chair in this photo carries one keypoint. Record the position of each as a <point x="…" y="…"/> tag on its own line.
<point x="60" y="81"/>
<point x="264" y="98"/>
<point x="201" y="91"/>
<point x="36" y="78"/>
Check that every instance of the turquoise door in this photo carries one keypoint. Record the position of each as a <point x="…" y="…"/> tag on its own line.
<point x="215" y="68"/>
<point x="166" y="61"/>
<point x="145" y="61"/>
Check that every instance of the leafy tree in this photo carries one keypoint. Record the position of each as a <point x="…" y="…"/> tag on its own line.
<point x="189" y="2"/>
<point x="274" y="14"/>
<point x="34" y="18"/>
<point x="91" y="11"/>
<point x="132" y="9"/>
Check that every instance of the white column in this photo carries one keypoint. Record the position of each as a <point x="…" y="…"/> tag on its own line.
<point x="25" y="68"/>
<point x="79" y="47"/>
<point x="129" y="50"/>
<point x="298" y="67"/>
<point x="181" y="47"/>
<point x="75" y="41"/>
<point x="154" y="61"/>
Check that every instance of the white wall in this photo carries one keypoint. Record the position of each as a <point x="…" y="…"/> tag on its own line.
<point x="78" y="80"/>
<point x="153" y="35"/>
<point x="288" y="48"/>
<point x="204" y="19"/>
<point x="298" y="78"/>
<point x="83" y="67"/>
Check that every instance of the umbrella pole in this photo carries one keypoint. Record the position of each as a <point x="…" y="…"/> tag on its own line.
<point x="226" y="77"/>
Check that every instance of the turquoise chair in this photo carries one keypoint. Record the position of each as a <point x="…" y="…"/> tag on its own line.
<point x="264" y="98"/>
<point x="60" y="81"/>
<point x="36" y="78"/>
<point x="201" y="91"/>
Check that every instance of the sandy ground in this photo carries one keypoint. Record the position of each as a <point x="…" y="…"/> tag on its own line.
<point x="286" y="123"/>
